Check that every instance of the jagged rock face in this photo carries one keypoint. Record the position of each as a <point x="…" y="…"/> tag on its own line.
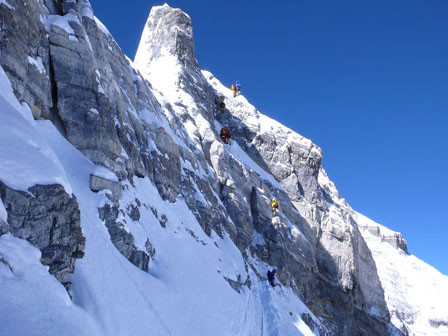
<point x="165" y="56"/>
<point x="22" y="43"/>
<point x="49" y="219"/>
<point x="394" y="239"/>
<point x="93" y="95"/>
<point x="330" y="266"/>
<point x="174" y="28"/>
<point x="122" y="239"/>
<point x="100" y="103"/>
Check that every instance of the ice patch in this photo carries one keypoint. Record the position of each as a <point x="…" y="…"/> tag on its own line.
<point x="37" y="62"/>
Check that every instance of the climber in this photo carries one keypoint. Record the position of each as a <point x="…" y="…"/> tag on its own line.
<point x="225" y="135"/>
<point x="238" y="87"/>
<point x="234" y="89"/>
<point x="271" y="277"/>
<point x="274" y="205"/>
<point x="222" y="105"/>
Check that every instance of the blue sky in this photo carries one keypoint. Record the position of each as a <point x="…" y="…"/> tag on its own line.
<point x="367" y="81"/>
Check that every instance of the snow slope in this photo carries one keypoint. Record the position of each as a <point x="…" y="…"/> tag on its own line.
<point x="416" y="293"/>
<point x="36" y="162"/>
<point x="33" y="302"/>
<point x="185" y="292"/>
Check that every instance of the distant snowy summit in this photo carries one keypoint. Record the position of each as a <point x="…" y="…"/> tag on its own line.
<point x="124" y="211"/>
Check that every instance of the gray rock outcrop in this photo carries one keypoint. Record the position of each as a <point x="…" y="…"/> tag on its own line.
<point x="48" y="218"/>
<point x="123" y="240"/>
<point x="98" y="183"/>
<point x="394" y="239"/>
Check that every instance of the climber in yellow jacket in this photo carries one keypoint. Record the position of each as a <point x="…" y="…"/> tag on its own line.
<point x="274" y="205"/>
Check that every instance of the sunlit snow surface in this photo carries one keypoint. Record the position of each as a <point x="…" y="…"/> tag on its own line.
<point x="33" y="302"/>
<point x="26" y="158"/>
<point x="414" y="290"/>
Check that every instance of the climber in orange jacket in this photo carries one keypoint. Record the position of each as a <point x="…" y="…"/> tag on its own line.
<point x="234" y="90"/>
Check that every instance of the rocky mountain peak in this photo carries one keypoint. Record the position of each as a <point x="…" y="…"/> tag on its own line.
<point x="154" y="186"/>
<point x="168" y="32"/>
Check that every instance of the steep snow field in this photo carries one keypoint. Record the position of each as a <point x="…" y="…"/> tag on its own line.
<point x="415" y="292"/>
<point x="185" y="292"/>
<point x="26" y="158"/>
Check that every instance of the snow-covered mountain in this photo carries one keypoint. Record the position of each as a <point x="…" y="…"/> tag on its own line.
<point x="123" y="213"/>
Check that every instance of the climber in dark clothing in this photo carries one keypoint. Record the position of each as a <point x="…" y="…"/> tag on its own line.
<point x="225" y="135"/>
<point x="271" y="277"/>
<point x="222" y="105"/>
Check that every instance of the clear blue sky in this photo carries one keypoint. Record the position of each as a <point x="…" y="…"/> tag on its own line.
<point x="365" y="80"/>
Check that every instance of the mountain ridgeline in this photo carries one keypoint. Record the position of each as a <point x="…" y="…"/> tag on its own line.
<point x="149" y="131"/>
